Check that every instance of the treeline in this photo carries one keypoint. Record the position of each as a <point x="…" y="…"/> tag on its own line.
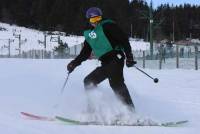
<point x="69" y="16"/>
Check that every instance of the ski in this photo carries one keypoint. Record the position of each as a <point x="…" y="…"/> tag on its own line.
<point x="36" y="117"/>
<point x="176" y="123"/>
<point x="76" y="122"/>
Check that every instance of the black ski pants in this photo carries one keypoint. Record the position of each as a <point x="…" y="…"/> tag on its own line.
<point x="113" y="70"/>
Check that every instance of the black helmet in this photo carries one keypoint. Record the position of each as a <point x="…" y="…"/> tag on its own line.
<point x="93" y="11"/>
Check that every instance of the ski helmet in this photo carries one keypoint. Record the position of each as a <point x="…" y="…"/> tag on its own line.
<point x="93" y="12"/>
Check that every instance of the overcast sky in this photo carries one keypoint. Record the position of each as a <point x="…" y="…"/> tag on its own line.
<point x="175" y="2"/>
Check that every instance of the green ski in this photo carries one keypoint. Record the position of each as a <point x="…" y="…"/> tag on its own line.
<point x="76" y="122"/>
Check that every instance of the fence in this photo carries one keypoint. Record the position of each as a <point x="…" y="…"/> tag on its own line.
<point x="186" y="57"/>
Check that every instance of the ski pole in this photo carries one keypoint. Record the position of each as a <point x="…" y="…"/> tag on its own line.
<point x="62" y="90"/>
<point x="63" y="87"/>
<point x="154" y="79"/>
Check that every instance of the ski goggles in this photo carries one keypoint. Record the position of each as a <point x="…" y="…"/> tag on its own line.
<point x="95" y="19"/>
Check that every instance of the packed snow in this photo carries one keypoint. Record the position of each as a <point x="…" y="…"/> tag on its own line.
<point x="34" y="86"/>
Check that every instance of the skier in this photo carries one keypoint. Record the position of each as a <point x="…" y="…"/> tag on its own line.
<point x="111" y="46"/>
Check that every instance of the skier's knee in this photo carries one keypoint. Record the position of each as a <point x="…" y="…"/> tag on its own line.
<point x="116" y="83"/>
<point x="117" y="87"/>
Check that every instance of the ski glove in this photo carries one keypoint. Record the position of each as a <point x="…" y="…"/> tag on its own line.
<point x="130" y="61"/>
<point x="70" y="67"/>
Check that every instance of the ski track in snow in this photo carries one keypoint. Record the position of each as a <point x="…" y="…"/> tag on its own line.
<point x="34" y="86"/>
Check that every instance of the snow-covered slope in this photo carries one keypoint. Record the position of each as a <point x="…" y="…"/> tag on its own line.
<point x="34" y="86"/>
<point x="31" y="40"/>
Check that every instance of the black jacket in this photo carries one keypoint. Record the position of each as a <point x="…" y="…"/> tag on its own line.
<point x="115" y="36"/>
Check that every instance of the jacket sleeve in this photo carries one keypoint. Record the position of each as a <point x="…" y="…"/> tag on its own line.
<point x="84" y="54"/>
<point x="117" y="37"/>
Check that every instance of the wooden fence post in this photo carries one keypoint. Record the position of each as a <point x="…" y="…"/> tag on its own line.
<point x="196" y="57"/>
<point x="177" y="56"/>
<point x="160" y="56"/>
<point x="143" y="65"/>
